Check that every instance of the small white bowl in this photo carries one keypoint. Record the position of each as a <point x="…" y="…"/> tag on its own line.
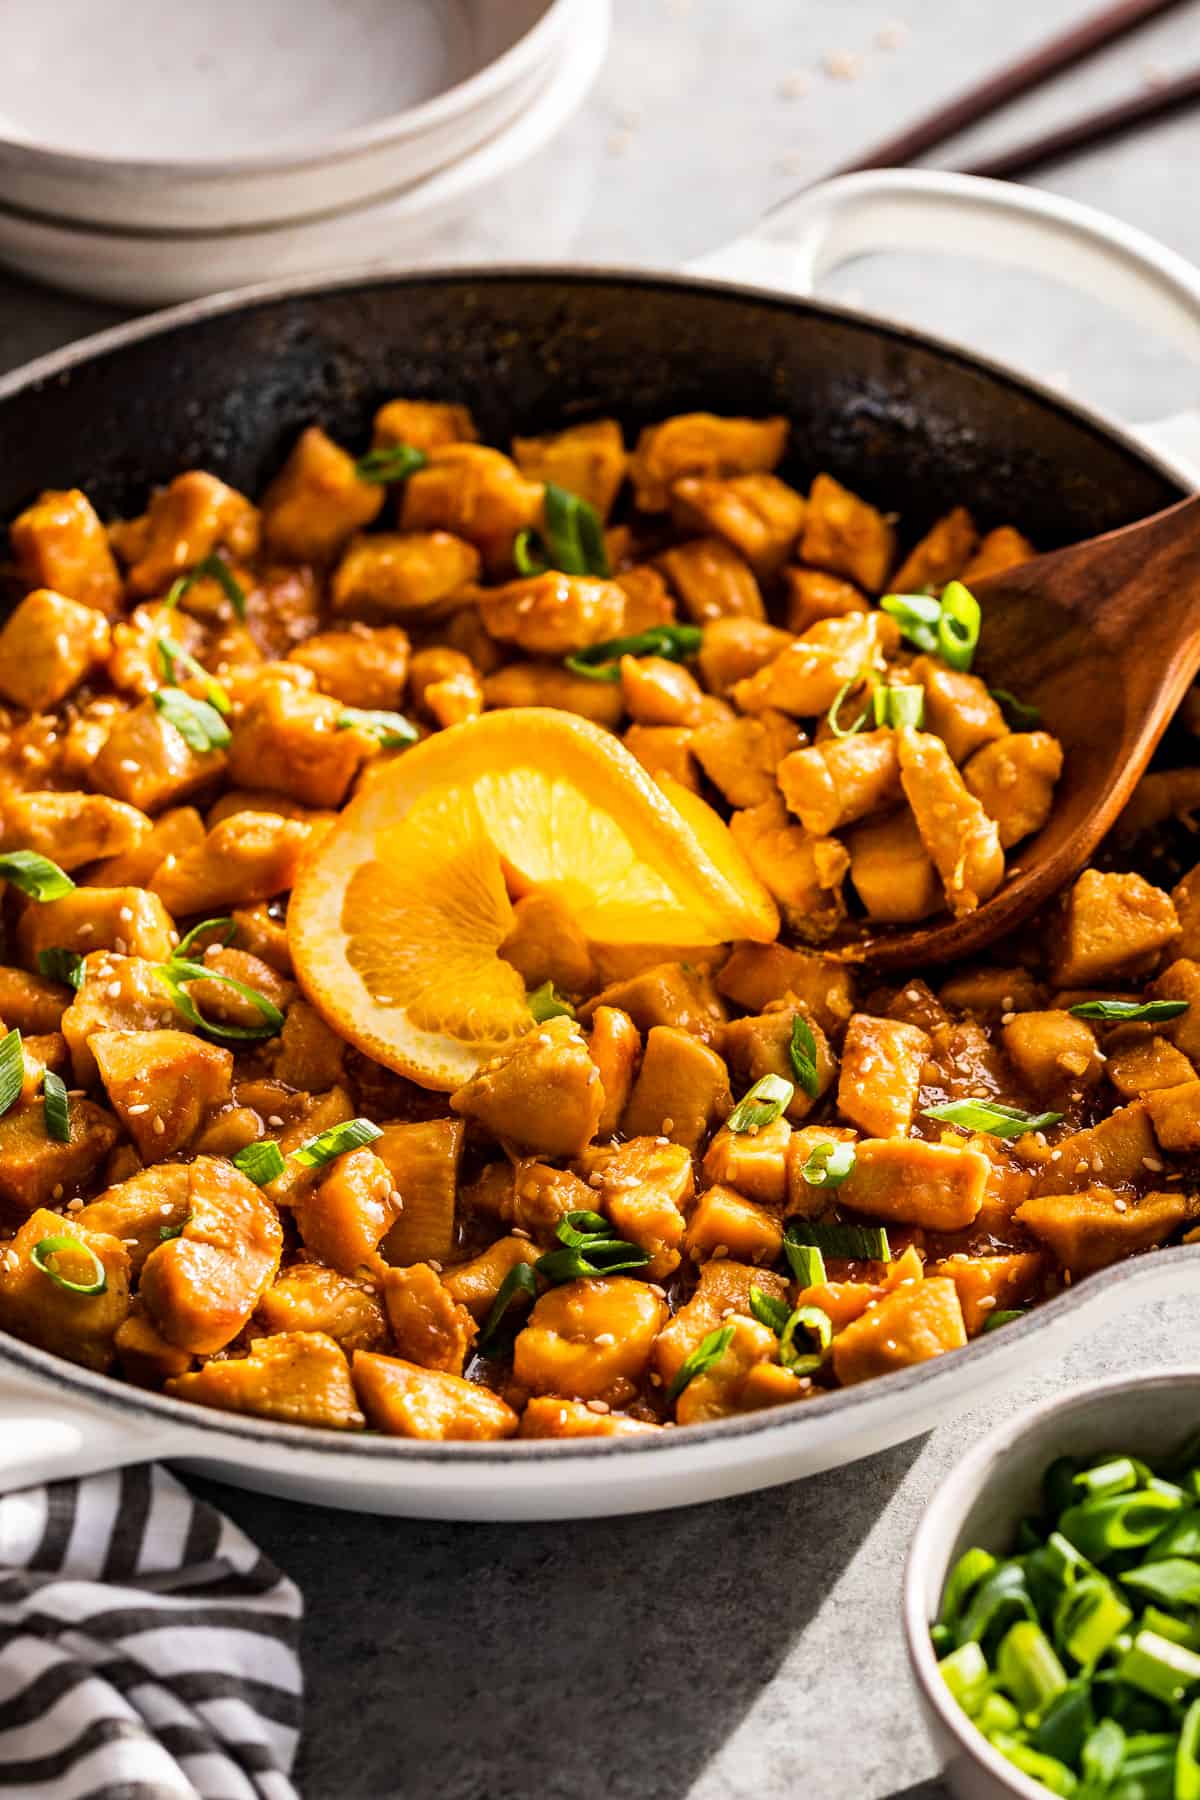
<point x="982" y="1503"/>
<point x="156" y="115"/>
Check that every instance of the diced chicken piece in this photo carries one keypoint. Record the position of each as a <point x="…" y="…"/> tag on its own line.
<point x="59" y="543"/>
<point x="478" y="494"/>
<point x="759" y="514"/>
<point x="644" y="1186"/>
<point x="1112" y="1154"/>
<point x="145" y="761"/>
<point x="701" y="444"/>
<point x="814" y="595"/>
<point x="962" y="842"/>
<point x="988" y="990"/>
<point x="171" y="834"/>
<point x="317" y="501"/>
<point x="1134" y="1069"/>
<point x="732" y="649"/>
<point x="891" y="870"/>
<point x="35" y="1169"/>
<point x="753" y="1162"/>
<point x="1180" y="980"/>
<point x="724" y="1388"/>
<point x="31" y="1003"/>
<point x="293" y="743"/>
<point x="475" y="1284"/>
<point x="940" y="556"/>
<point x="128" y="920"/>
<point x="846" y="535"/>
<point x="545" y="944"/>
<point x="590" y="1339"/>
<point x="937" y="1186"/>
<point x="803" y="873"/>
<point x="403" y="1400"/>
<point x="725" y="1223"/>
<point x="657" y="691"/>
<point x="1087" y="1231"/>
<point x="668" y="993"/>
<point x="162" y="1085"/>
<point x="740" y="756"/>
<point x="665" y="751"/>
<point x="71" y="829"/>
<point x="681" y="1090"/>
<point x="1114" y="925"/>
<point x="548" y="1417"/>
<point x="310" y="1297"/>
<point x="587" y="460"/>
<point x="988" y="1284"/>
<point x="807" y="677"/>
<point x="33" y="1307"/>
<point x="301" y="1377"/>
<point x="247" y="857"/>
<point x="343" y="1220"/>
<point x="553" y="614"/>
<point x="116" y="993"/>
<point x="217" y="1000"/>
<point x="542" y="1196"/>
<point x="759" y="1045"/>
<point x="358" y="666"/>
<point x="958" y="708"/>
<point x="264" y="935"/>
<point x="445" y="686"/>
<point x="882" y="1060"/>
<point x="143" y="1354"/>
<point x="544" y="1093"/>
<point x="756" y="974"/>
<point x="802" y="1199"/>
<point x="722" y="1290"/>
<point x="1175" y="1115"/>
<point x="615" y="1046"/>
<point x="1014" y="780"/>
<point x="194" y="515"/>
<point x="1185" y="897"/>
<point x="307" y="1054"/>
<point x="910" y="1326"/>
<point x="429" y="1327"/>
<point x="402" y="574"/>
<point x="712" y="581"/>
<point x="842" y="779"/>
<point x="422" y="1158"/>
<point x="647" y="599"/>
<point x="201" y="1287"/>
<point x="1053" y="1052"/>
<point x="424" y="424"/>
<point x="47" y="646"/>
<point x="1001" y="549"/>
<point x="539" y="684"/>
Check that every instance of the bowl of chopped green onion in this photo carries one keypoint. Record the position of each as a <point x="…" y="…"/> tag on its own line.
<point x="1052" y="1600"/>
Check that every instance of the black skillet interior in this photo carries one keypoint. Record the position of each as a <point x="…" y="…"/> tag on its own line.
<point x="913" y="425"/>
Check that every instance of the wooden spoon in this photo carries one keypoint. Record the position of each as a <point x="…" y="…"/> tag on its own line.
<point x="1104" y="638"/>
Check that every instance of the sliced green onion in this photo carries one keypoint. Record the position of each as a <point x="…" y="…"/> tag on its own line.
<point x="35" y="875"/>
<point x="56" y="1107"/>
<point x="602" y="662"/>
<point x="1004" y="1316"/>
<point x="917" y="616"/>
<point x="1019" y="713"/>
<point x="588" y="1248"/>
<point x="392" y="729"/>
<point x="1027" y="1667"/>
<point x="351" y="1135"/>
<point x="176" y="975"/>
<point x="1100" y="1528"/>
<point x="199" y="725"/>
<point x="828" y="1164"/>
<point x="769" y="1311"/>
<point x="212" y="568"/>
<point x="765" y="1102"/>
<point x="12" y="1069"/>
<point x="806" y="1263"/>
<point x="66" y="966"/>
<point x="261" y="1163"/>
<point x="1052" y="1774"/>
<point x="708" y="1351"/>
<point x="519" y="1280"/>
<point x="1065" y="1722"/>
<point x="572" y="539"/>
<point x="1179" y="1537"/>
<point x="527" y="553"/>
<point x="802" y="1054"/>
<point x="546" y="1002"/>
<point x="167" y="1232"/>
<point x="989" y="1115"/>
<point x="997" y="1713"/>
<point x="959" y="620"/>
<point x="815" y="1320"/>
<point x="225" y="927"/>
<point x="1149" y="1011"/>
<point x="856" y="1243"/>
<point x="1000" y="1599"/>
<point x="972" y="1567"/>
<point x="1102" y="1752"/>
<point x="1175" y="1581"/>
<point x="396" y="462"/>
<point x="966" y="1674"/>
<point x="1160" y="1668"/>
<point x="173" y="656"/>
<point x="1116" y="1475"/>
<point x="1089" y="1618"/>
<point x="580" y="1224"/>
<point x="901" y="706"/>
<point x="54" y="1246"/>
<point x="833" y="716"/>
<point x="1187" y="1756"/>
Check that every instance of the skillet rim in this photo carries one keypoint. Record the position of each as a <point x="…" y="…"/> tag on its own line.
<point x="111" y="1393"/>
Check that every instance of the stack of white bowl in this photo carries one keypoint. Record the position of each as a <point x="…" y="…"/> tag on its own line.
<point x="153" y="150"/>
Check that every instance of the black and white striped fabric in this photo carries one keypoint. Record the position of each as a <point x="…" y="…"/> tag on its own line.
<point x="147" y="1650"/>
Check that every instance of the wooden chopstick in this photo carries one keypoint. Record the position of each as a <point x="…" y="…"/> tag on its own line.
<point x="1010" y="83"/>
<point x="1093" y="128"/>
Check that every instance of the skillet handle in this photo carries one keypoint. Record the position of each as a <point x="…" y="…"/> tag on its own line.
<point x="797" y="244"/>
<point x="47" y="1431"/>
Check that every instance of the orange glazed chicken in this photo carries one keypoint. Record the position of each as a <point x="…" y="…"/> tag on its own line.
<point x="423" y="1006"/>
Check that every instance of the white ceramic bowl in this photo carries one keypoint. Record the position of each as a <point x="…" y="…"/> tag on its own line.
<point x="982" y="1502"/>
<point x="157" y="268"/>
<point x="162" y="115"/>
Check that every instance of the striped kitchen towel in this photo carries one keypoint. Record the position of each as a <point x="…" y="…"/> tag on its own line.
<point x="147" y="1650"/>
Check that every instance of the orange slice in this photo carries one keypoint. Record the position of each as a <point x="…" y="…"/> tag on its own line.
<point x="397" y="918"/>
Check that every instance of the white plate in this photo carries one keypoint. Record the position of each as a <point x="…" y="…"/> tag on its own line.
<point x="154" y="269"/>
<point x="151" y="115"/>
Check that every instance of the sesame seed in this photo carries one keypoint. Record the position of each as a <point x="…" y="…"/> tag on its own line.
<point x="159" y="1127"/>
<point x="668" y="1126"/>
<point x="1081" y="1167"/>
<point x="166" y="1209"/>
<point x="435" y="1266"/>
<point x="143" y="1106"/>
<point x="520" y="1231"/>
<point x="1006" y="1018"/>
<point x="126" y="915"/>
<point x="75" y="1205"/>
<point x="56" y="1192"/>
<point x="1120" y="1205"/>
<point x="598" y="1406"/>
<point x="120" y="945"/>
<point x="275" y="1120"/>
<point x="985" y="1301"/>
<point x="86" y="930"/>
<point x="1152" y="1163"/>
<point x="132" y="1242"/>
<point x="113" y="990"/>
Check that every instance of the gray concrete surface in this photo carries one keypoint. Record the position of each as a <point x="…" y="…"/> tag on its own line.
<point x="752" y="1647"/>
